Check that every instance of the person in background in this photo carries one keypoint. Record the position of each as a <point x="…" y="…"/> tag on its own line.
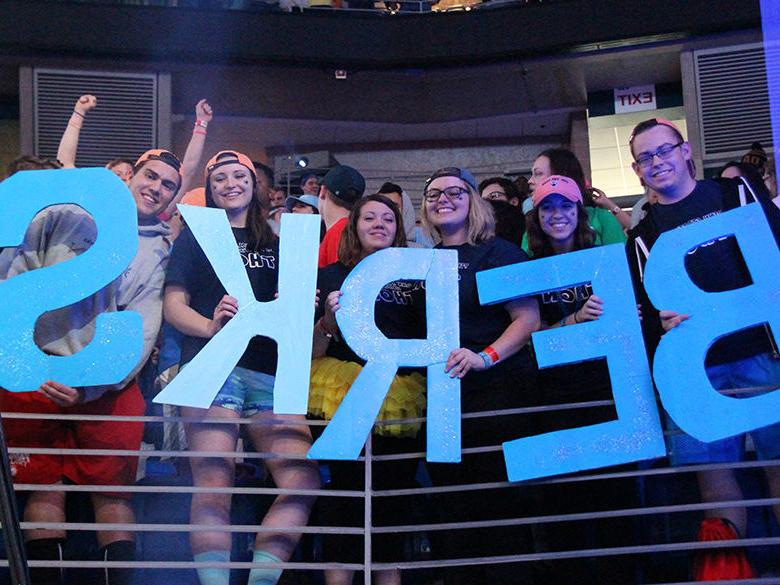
<point x="265" y="182"/>
<point x="733" y="169"/>
<point x="341" y="188"/>
<point x="59" y="233"/>
<point x="310" y="184"/>
<point x="496" y="371"/>
<point x="499" y="189"/>
<point x="196" y="304"/>
<point x="606" y="218"/>
<point x="276" y="196"/>
<point x="510" y="221"/>
<point x="374" y="224"/>
<point x="415" y="236"/>
<point x="744" y="359"/>
<point x="122" y="168"/>
<point x="302" y="204"/>
<point x="29" y="162"/>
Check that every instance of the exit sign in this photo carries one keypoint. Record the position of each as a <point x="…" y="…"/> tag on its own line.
<point x="634" y="99"/>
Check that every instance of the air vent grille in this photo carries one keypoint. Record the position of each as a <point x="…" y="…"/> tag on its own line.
<point x="733" y="100"/>
<point x="124" y="123"/>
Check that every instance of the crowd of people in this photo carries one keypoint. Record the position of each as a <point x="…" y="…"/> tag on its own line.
<point x="493" y="223"/>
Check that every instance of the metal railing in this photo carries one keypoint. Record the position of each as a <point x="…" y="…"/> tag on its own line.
<point x="670" y="543"/>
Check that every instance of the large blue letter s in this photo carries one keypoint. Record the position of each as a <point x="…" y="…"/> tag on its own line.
<point x="118" y="341"/>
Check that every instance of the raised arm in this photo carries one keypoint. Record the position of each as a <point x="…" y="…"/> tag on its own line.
<point x="69" y="143"/>
<point x="194" y="153"/>
<point x="600" y="199"/>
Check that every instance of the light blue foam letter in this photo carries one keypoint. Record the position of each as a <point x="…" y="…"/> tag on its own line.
<point x="616" y="335"/>
<point x="678" y="367"/>
<point x="344" y="436"/>
<point x="289" y="319"/>
<point x="118" y="342"/>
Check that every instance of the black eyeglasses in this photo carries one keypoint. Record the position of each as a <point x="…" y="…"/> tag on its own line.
<point x="664" y="153"/>
<point x="461" y="174"/>
<point x="451" y="193"/>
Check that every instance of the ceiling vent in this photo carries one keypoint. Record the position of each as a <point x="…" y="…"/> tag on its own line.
<point x="733" y="100"/>
<point x="125" y="122"/>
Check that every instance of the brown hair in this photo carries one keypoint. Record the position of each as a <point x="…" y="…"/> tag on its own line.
<point x="30" y="162"/>
<point x="539" y="242"/>
<point x="350" y="249"/>
<point x="119" y="161"/>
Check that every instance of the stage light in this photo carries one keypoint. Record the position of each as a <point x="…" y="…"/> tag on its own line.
<point x="302" y="162"/>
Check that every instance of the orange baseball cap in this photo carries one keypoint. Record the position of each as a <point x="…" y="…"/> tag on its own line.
<point x="162" y="155"/>
<point x="226" y="157"/>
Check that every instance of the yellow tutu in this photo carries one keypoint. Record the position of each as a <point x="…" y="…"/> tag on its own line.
<point x="331" y="379"/>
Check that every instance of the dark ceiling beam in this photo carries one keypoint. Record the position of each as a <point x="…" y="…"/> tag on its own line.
<point x="338" y="39"/>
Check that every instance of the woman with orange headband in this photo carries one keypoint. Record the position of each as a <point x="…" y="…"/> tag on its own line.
<point x="196" y="303"/>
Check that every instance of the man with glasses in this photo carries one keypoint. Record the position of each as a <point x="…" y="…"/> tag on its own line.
<point x="662" y="159"/>
<point x="500" y="189"/>
<point x="57" y="234"/>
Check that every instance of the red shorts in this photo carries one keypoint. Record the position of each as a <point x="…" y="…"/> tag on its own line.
<point x="75" y="434"/>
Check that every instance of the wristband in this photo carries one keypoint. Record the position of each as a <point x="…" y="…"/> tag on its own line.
<point x="486" y="359"/>
<point x="615" y="210"/>
<point x="491" y="353"/>
<point x="78" y="114"/>
<point x="202" y="123"/>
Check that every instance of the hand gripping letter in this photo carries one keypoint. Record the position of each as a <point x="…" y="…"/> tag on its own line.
<point x="678" y="366"/>
<point x="346" y="433"/>
<point x="616" y="335"/>
<point x="289" y="319"/>
<point x="117" y="343"/>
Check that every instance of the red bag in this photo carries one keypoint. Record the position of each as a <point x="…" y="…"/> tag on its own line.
<point x="720" y="564"/>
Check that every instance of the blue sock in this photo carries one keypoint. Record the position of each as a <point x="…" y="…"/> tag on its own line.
<point x="213" y="575"/>
<point x="264" y="576"/>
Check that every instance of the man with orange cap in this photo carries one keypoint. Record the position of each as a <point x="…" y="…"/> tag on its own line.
<point x="57" y="234"/>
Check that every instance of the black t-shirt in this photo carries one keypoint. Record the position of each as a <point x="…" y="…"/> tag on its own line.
<point x="715" y="266"/>
<point x="579" y="382"/>
<point x="481" y="325"/>
<point x="189" y="268"/>
<point x="399" y="312"/>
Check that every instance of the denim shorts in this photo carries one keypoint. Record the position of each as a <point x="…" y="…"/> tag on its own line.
<point x="760" y="370"/>
<point x="246" y="392"/>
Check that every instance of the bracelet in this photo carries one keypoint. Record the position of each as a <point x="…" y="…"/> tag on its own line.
<point x="202" y="123"/>
<point x="486" y="359"/>
<point x="615" y="210"/>
<point x="491" y="353"/>
<point x="79" y="114"/>
<point x="562" y="322"/>
<point x="575" y="318"/>
<point x="199" y="131"/>
<point x="324" y="331"/>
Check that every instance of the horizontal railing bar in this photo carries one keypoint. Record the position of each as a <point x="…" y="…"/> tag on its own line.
<point x="409" y="528"/>
<point x="430" y="564"/>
